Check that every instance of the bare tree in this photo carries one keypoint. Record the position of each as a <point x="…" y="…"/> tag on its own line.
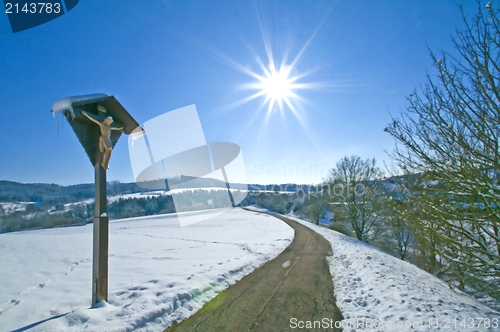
<point x="449" y="135"/>
<point x="399" y="228"/>
<point x="316" y="208"/>
<point x="355" y="187"/>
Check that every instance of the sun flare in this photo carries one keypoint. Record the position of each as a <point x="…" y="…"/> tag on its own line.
<point x="277" y="82"/>
<point x="276" y="85"/>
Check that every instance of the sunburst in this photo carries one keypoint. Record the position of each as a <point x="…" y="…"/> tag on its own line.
<point x="278" y="84"/>
<point x="279" y="89"/>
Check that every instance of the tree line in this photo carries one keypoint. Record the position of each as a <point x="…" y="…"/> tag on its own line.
<point x="79" y="213"/>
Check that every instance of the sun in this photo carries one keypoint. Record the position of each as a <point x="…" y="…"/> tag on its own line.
<point x="279" y="88"/>
<point x="277" y="85"/>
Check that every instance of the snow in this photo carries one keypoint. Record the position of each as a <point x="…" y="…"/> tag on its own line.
<point x="10" y="208"/>
<point x="326" y="219"/>
<point x="159" y="272"/>
<point x="65" y="103"/>
<point x="374" y="288"/>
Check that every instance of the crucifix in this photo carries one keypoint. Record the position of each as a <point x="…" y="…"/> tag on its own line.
<point x="98" y="120"/>
<point x="105" y="144"/>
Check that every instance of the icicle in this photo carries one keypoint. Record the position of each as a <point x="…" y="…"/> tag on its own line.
<point x="137" y="133"/>
<point x="57" y="125"/>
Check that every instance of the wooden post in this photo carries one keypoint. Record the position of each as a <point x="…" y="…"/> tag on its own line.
<point x="83" y="114"/>
<point x="101" y="235"/>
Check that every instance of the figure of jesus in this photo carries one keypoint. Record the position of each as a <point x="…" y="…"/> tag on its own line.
<point x="105" y="144"/>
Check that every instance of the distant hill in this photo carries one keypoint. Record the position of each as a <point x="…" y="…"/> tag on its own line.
<point x="37" y="192"/>
<point x="39" y="205"/>
<point x="56" y="194"/>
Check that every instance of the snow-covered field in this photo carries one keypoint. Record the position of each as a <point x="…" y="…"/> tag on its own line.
<point x="159" y="272"/>
<point x="378" y="292"/>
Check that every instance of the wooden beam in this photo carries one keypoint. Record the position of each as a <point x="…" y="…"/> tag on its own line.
<point x="101" y="238"/>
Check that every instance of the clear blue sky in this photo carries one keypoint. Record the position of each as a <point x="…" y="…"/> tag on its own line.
<point x="156" y="56"/>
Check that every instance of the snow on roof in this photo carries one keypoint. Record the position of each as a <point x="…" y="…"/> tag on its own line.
<point x="65" y="103"/>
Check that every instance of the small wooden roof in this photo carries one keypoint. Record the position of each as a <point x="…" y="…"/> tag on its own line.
<point x="88" y="132"/>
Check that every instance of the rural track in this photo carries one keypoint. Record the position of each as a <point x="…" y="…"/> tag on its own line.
<point x="296" y="284"/>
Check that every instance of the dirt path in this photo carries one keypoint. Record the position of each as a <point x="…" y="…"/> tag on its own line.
<point x="296" y="284"/>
